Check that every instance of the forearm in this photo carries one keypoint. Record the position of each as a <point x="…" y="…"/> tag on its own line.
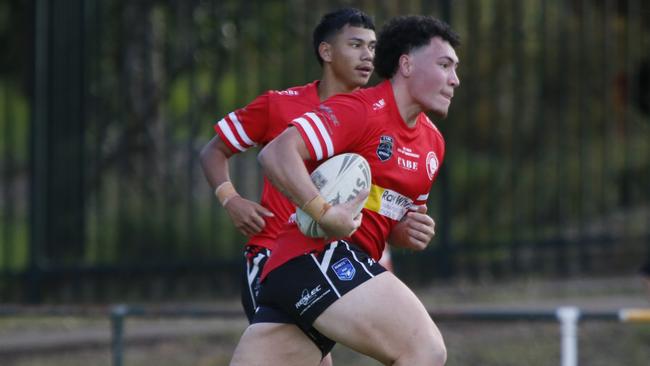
<point x="214" y="161"/>
<point x="398" y="236"/>
<point x="282" y="161"/>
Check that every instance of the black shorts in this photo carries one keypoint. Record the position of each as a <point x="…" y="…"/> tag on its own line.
<point x="306" y="286"/>
<point x="255" y="258"/>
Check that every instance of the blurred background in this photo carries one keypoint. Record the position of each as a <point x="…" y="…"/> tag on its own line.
<point x="105" y="104"/>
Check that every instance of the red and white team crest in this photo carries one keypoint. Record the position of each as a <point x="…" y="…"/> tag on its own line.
<point x="432" y="164"/>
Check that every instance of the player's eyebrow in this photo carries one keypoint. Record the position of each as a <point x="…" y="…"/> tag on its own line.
<point x="448" y="58"/>
<point x="361" y="40"/>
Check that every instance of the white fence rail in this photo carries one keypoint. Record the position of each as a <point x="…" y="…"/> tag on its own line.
<point x="568" y="317"/>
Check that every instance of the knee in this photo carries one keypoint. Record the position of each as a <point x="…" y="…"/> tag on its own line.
<point x="430" y="350"/>
<point x="433" y="350"/>
<point x="439" y="354"/>
<point x="327" y="360"/>
<point x="433" y="354"/>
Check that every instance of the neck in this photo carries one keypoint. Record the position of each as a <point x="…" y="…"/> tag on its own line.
<point x="330" y="85"/>
<point x="408" y="108"/>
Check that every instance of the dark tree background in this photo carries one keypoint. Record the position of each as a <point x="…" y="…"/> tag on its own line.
<point x="104" y="106"/>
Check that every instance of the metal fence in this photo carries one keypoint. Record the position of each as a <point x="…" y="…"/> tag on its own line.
<point x="568" y="317"/>
<point x="104" y="106"/>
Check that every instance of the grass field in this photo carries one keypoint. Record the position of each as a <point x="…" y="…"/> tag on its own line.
<point x="72" y="341"/>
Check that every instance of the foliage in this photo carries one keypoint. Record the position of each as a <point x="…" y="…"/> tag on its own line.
<point x="547" y="137"/>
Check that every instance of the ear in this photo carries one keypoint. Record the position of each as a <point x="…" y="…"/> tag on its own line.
<point x="405" y="65"/>
<point x="325" y="51"/>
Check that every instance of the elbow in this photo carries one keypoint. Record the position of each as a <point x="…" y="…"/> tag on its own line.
<point x="213" y="152"/>
<point x="264" y="158"/>
<point x="204" y="154"/>
<point x="270" y="160"/>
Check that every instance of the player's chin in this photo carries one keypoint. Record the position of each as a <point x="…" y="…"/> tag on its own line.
<point x="361" y="79"/>
<point x="439" y="113"/>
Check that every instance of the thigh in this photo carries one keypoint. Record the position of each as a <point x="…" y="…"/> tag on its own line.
<point x="305" y="286"/>
<point x="381" y="318"/>
<point x="266" y="344"/>
<point x="301" y="289"/>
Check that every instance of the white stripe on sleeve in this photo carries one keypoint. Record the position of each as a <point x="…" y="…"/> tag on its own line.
<point x="311" y="135"/>
<point x="223" y="126"/>
<point x="240" y="129"/>
<point x="423" y="197"/>
<point x="323" y="132"/>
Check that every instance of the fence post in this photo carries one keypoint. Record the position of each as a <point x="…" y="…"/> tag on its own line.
<point x="38" y="152"/>
<point x="118" y="313"/>
<point x="568" y="317"/>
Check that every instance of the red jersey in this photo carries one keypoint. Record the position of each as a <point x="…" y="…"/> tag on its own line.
<point x="404" y="162"/>
<point x="257" y="124"/>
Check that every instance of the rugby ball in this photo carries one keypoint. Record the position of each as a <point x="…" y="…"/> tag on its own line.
<point x="339" y="180"/>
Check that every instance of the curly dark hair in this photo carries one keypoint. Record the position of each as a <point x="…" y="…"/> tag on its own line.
<point x="403" y="34"/>
<point x="331" y="23"/>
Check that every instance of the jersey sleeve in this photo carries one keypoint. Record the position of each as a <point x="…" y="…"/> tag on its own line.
<point x="333" y="127"/>
<point x="245" y="127"/>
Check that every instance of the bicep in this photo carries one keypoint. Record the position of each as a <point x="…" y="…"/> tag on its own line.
<point x="220" y="146"/>
<point x="345" y="124"/>
<point x="215" y="148"/>
<point x="290" y="140"/>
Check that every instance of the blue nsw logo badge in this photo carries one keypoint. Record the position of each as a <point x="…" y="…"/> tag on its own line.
<point x="385" y="148"/>
<point x="344" y="269"/>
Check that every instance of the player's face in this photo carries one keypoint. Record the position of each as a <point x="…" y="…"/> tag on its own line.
<point x="352" y="52"/>
<point x="433" y="76"/>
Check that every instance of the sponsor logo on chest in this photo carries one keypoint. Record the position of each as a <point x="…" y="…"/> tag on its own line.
<point x="291" y="93"/>
<point x="407" y="159"/>
<point x="385" y="148"/>
<point x="387" y="202"/>
<point x="407" y="164"/>
<point x="432" y="164"/>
